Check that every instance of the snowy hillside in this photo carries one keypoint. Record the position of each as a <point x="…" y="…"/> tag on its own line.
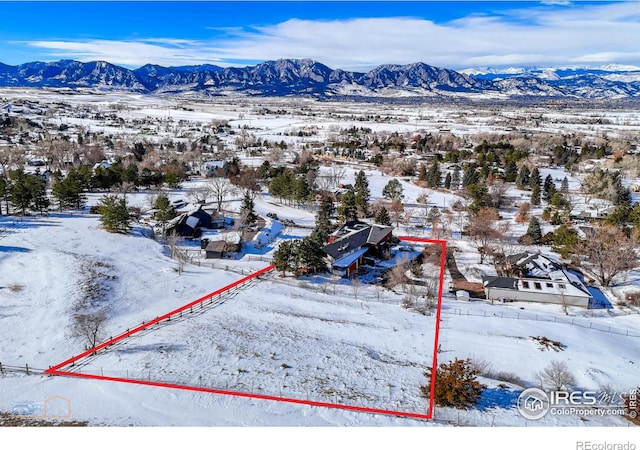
<point x="295" y="339"/>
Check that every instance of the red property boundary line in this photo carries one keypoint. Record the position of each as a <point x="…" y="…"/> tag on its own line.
<point x="55" y="370"/>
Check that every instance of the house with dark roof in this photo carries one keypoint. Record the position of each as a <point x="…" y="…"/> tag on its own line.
<point x="538" y="278"/>
<point x="188" y="224"/>
<point x="351" y="245"/>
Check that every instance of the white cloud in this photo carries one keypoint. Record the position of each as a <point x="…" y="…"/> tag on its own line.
<point x="539" y="35"/>
<point x="556" y="2"/>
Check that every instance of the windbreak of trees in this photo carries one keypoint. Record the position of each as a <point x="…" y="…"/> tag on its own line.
<point x="24" y="191"/>
<point x="21" y="191"/>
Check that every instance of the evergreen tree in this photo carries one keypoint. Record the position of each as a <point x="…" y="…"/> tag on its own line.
<point x="362" y="205"/>
<point x="470" y="176"/>
<point x="559" y="201"/>
<point x="510" y="172"/>
<point x="21" y="195"/>
<point x="146" y="177"/>
<point x="348" y="211"/>
<point x="433" y="215"/>
<point x="130" y="174"/>
<point x="68" y="193"/>
<point x="383" y="217"/>
<point x="324" y="226"/>
<point x="549" y="188"/>
<point x="535" y="179"/>
<point x="247" y="210"/>
<point x="534" y="231"/>
<point x="301" y="190"/>
<point x="393" y="189"/>
<point x="38" y="189"/>
<point x="310" y="254"/>
<point x="82" y="175"/>
<point x="564" y="187"/>
<point x="283" y="257"/>
<point x="447" y="181"/>
<point x="455" y="178"/>
<point x="114" y="214"/>
<point x="164" y="211"/>
<point x="5" y="192"/>
<point x="434" y="175"/>
<point x="565" y="240"/>
<point x="362" y="194"/>
<point x="283" y="185"/>
<point x="535" y="194"/>
<point x="524" y="175"/>
<point x="480" y="197"/>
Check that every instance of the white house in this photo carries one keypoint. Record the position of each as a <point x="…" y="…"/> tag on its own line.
<point x="543" y="280"/>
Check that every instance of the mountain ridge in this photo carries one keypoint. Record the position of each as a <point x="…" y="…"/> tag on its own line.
<point x="285" y="77"/>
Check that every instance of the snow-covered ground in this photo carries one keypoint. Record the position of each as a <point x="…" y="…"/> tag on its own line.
<point x="297" y="339"/>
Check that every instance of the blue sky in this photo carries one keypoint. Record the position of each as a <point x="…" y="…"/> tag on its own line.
<point x="349" y="35"/>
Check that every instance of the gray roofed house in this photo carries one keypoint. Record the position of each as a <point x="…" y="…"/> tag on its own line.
<point x="541" y="279"/>
<point x="349" y="245"/>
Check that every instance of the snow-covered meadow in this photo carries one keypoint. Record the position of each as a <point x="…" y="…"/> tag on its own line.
<point x="285" y="338"/>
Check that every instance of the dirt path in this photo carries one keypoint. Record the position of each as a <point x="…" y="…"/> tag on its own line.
<point x="460" y="282"/>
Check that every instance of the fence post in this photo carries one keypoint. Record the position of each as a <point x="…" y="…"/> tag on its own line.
<point x="2" y="371"/>
<point x="27" y="367"/>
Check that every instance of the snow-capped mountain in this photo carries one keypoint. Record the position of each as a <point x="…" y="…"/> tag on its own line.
<point x="308" y="77"/>
<point x="68" y="73"/>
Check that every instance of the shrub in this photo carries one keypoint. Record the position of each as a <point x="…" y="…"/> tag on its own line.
<point x="456" y="384"/>
<point x="632" y="298"/>
<point x="15" y="287"/>
<point x="509" y="377"/>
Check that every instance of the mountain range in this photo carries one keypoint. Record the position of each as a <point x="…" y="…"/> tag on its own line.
<point x="311" y="78"/>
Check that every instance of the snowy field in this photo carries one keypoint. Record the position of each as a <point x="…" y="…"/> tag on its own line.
<point x="283" y="339"/>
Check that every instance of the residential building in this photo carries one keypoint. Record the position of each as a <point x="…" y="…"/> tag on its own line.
<point x="355" y="244"/>
<point x="539" y="279"/>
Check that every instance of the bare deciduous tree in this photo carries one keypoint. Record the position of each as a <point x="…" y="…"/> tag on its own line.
<point x="423" y="199"/>
<point x="220" y="188"/>
<point x="355" y="287"/>
<point x="482" y="230"/>
<point x="89" y="327"/>
<point x="524" y="210"/>
<point x="397" y="275"/>
<point x="177" y="252"/>
<point x="498" y="193"/>
<point x="556" y="376"/>
<point x="396" y="209"/>
<point x="609" y="251"/>
<point x="200" y="194"/>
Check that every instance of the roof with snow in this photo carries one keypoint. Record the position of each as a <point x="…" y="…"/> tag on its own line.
<point x="536" y="264"/>
<point x="547" y="267"/>
<point x="346" y="261"/>
<point x="355" y="235"/>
